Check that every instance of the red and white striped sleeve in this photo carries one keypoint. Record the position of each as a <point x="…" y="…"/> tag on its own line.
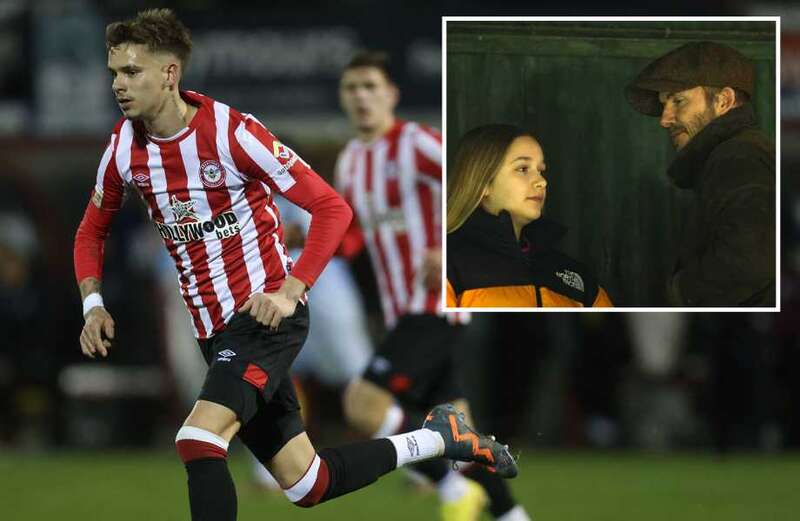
<point x="265" y="158"/>
<point x="105" y="201"/>
<point x="353" y="241"/>
<point x="340" y="181"/>
<point x="428" y="151"/>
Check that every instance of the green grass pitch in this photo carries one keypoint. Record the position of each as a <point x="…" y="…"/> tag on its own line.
<point x="563" y="486"/>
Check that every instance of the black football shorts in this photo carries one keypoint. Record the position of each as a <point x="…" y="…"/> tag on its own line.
<point x="248" y="372"/>
<point x="417" y="361"/>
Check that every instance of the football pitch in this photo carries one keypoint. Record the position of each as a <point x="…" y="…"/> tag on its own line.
<point x="563" y="486"/>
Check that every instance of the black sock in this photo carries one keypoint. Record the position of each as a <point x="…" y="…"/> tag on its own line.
<point x="212" y="496"/>
<point x="353" y="466"/>
<point x="500" y="500"/>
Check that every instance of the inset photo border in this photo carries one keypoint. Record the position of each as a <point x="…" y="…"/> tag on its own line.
<point x="611" y="164"/>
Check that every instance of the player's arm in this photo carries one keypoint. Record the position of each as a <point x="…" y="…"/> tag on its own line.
<point x="266" y="159"/>
<point x="98" y="328"/>
<point x="106" y="199"/>
<point x="352" y="243"/>
<point x="428" y="153"/>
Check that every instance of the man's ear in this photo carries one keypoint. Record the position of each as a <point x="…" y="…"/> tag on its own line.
<point x="172" y="75"/>
<point x="724" y="101"/>
<point x="395" y="93"/>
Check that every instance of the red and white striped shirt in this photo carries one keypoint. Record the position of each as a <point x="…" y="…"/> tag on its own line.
<point x="208" y="190"/>
<point x="394" y="186"/>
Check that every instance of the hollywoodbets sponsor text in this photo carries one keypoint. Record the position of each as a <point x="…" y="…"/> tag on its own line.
<point x="225" y="225"/>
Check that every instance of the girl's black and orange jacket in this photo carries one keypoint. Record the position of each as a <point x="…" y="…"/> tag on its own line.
<point x="488" y="267"/>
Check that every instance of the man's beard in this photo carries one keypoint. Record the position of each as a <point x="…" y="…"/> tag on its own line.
<point x="699" y="122"/>
<point x="696" y="123"/>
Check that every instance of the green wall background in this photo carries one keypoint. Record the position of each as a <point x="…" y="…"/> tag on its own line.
<point x="606" y="163"/>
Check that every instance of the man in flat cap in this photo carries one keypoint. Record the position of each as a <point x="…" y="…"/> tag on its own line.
<point x="702" y="91"/>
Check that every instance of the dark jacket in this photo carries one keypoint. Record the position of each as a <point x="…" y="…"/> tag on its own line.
<point x="727" y="255"/>
<point x="488" y="267"/>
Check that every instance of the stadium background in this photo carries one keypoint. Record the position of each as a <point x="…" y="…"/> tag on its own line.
<point x="704" y="425"/>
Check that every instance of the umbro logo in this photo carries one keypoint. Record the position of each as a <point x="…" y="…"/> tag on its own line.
<point x="225" y="356"/>
<point x="413" y="446"/>
<point x="141" y="178"/>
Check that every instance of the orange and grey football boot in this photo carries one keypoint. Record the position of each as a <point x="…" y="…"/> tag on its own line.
<point x="461" y="443"/>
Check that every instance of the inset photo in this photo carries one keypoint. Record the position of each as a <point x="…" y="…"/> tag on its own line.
<point x="617" y="164"/>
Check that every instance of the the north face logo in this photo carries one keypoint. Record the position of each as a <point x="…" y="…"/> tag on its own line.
<point x="571" y="279"/>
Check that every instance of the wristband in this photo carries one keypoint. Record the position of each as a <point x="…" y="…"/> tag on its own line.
<point x="92" y="300"/>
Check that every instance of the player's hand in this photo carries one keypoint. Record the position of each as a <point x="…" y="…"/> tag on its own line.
<point x="431" y="269"/>
<point x="98" y="332"/>
<point x="270" y="308"/>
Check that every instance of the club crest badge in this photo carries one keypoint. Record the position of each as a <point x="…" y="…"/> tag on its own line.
<point x="212" y="174"/>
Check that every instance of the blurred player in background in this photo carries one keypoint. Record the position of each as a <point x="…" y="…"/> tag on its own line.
<point x="391" y="175"/>
<point x="338" y="347"/>
<point x="207" y="174"/>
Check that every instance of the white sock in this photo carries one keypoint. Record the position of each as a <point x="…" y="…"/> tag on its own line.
<point x="452" y="487"/>
<point x="515" y="514"/>
<point x="305" y="489"/>
<point x="187" y="432"/>
<point x="263" y="477"/>
<point x="417" y="445"/>
<point x="392" y="421"/>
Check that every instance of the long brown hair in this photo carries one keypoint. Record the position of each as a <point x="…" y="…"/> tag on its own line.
<point x="477" y="160"/>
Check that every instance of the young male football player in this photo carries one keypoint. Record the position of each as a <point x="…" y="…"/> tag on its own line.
<point x="207" y="174"/>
